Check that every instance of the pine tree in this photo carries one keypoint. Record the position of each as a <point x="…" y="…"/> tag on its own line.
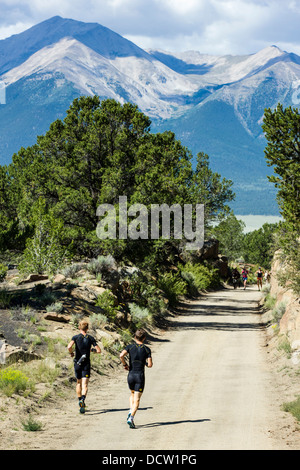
<point x="100" y="151"/>
<point x="282" y="131"/>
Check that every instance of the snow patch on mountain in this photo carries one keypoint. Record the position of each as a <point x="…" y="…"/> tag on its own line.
<point x="211" y="69"/>
<point x="18" y="48"/>
<point x="148" y="83"/>
<point x="98" y="61"/>
<point x="208" y="101"/>
<point x="279" y="82"/>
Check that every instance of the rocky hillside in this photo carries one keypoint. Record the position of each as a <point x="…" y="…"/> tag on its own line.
<point x="115" y="299"/>
<point x="40" y="307"/>
<point x="286" y="308"/>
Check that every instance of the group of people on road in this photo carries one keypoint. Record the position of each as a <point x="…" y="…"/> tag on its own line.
<point x="139" y="357"/>
<point x="236" y="277"/>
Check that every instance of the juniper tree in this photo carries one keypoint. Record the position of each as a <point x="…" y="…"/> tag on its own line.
<point x="100" y="151"/>
<point x="282" y="131"/>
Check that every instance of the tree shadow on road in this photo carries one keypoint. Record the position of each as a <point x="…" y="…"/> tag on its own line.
<point x="219" y="326"/>
<point x="216" y="309"/>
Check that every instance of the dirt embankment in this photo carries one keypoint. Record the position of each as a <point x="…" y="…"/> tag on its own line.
<point x="289" y="303"/>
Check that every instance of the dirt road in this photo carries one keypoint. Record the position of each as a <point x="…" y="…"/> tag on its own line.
<point x="210" y="388"/>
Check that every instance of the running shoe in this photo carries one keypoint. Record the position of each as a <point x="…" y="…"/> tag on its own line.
<point x="131" y="423"/>
<point x="81" y="406"/>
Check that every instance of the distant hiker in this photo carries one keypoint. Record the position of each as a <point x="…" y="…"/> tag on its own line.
<point x="84" y="344"/>
<point x="259" y="275"/>
<point x="245" y="276"/>
<point x="236" y="277"/>
<point x="139" y="357"/>
<point x="267" y="277"/>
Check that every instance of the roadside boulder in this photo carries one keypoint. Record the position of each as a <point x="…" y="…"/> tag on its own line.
<point x="59" y="317"/>
<point x="210" y="249"/>
<point x="34" y="278"/>
<point x="14" y="354"/>
<point x="59" y="279"/>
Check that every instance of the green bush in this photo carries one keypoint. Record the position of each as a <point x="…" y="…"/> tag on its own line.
<point x="189" y="278"/>
<point x="199" y="277"/>
<point x="293" y="407"/>
<point x="278" y="311"/>
<point x="31" y="425"/>
<point x="126" y="335"/>
<point x="75" y="319"/>
<point x="269" y="302"/>
<point x="3" y="271"/>
<point x="141" y="317"/>
<point x="44" y="252"/>
<point x="97" y="320"/>
<point x="12" y="381"/>
<point x="47" y="298"/>
<point x="101" y="264"/>
<point x="146" y="293"/>
<point x="141" y="287"/>
<point x="72" y="270"/>
<point x="290" y="257"/>
<point x="173" y="286"/>
<point x="5" y="298"/>
<point x="157" y="306"/>
<point x="285" y="346"/>
<point x="55" y="307"/>
<point x="107" y="303"/>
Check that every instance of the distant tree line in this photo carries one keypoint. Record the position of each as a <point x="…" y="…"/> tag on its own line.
<point x="256" y="247"/>
<point x="282" y="131"/>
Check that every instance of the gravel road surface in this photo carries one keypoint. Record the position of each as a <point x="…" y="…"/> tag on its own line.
<point x="209" y="387"/>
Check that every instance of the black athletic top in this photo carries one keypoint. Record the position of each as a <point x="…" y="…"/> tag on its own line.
<point x="138" y="354"/>
<point x="83" y="344"/>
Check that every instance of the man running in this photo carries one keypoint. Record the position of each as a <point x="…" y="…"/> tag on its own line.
<point x="139" y="357"/>
<point x="236" y="277"/>
<point x="84" y="344"/>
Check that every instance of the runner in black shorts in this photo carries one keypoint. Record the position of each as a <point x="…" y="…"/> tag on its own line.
<point x="139" y="357"/>
<point x="84" y="343"/>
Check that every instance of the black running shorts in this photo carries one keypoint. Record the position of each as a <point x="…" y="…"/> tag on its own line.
<point x="136" y="380"/>
<point x="82" y="371"/>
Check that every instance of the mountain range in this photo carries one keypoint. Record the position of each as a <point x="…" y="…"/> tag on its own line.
<point x="214" y="104"/>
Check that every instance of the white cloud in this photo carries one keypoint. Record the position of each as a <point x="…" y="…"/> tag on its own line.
<point x="185" y="8"/>
<point x="211" y="26"/>
<point x="6" y="31"/>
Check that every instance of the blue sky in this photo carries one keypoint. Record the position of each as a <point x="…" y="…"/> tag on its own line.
<point x="209" y="26"/>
